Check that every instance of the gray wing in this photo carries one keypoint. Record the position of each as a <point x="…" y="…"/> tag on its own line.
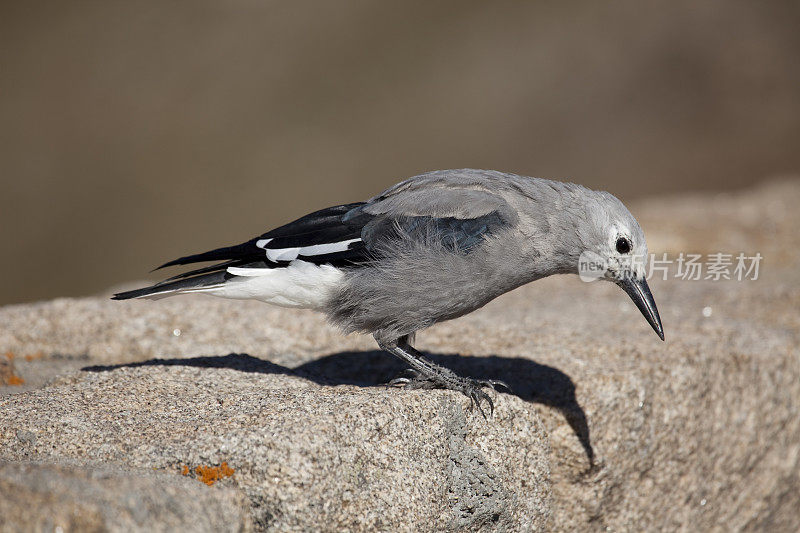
<point x="445" y="212"/>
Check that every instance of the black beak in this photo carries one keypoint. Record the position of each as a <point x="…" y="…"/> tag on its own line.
<point x="639" y="292"/>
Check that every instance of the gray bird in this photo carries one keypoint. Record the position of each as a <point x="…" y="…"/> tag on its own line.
<point x="432" y="248"/>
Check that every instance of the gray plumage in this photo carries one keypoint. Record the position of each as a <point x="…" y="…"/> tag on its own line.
<point x="431" y="248"/>
<point x="420" y="280"/>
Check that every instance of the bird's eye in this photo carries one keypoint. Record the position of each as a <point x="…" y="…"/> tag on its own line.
<point x="623" y="245"/>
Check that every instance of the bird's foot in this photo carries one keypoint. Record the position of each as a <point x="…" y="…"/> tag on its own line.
<point x="471" y="388"/>
<point x="474" y="390"/>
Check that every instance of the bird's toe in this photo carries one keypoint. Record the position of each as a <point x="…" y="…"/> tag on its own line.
<point x="476" y="396"/>
<point x="411" y="379"/>
<point x="493" y="384"/>
<point x="399" y="382"/>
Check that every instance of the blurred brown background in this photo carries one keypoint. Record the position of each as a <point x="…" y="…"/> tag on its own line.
<point x="135" y="132"/>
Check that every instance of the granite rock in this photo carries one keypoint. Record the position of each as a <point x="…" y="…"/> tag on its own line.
<point x="309" y="457"/>
<point x="46" y="497"/>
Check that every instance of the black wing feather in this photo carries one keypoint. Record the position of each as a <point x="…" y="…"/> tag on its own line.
<point x="330" y="218"/>
<point x="320" y="227"/>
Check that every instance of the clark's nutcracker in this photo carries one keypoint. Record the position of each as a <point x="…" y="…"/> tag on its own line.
<point x="431" y="248"/>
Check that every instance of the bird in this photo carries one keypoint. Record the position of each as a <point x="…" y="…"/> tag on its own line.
<point x="429" y="249"/>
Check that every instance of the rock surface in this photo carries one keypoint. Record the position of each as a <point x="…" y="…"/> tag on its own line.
<point x="607" y="427"/>
<point x="308" y="457"/>
<point x="43" y="497"/>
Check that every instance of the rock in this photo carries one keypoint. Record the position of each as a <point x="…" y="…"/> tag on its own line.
<point x="309" y="457"/>
<point x="47" y="497"/>
<point x="607" y="427"/>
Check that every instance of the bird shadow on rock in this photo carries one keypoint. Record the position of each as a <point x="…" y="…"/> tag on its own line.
<point x="528" y="380"/>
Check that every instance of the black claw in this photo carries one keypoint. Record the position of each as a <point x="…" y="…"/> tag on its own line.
<point x="404" y="379"/>
<point x="493" y="383"/>
<point x="502" y="384"/>
<point x="399" y="382"/>
<point x="475" y="399"/>
<point x="491" y="406"/>
<point x="406" y="375"/>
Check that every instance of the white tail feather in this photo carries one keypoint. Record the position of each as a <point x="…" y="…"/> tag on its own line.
<point x="301" y="284"/>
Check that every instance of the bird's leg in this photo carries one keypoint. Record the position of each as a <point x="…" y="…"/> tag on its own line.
<point x="413" y="378"/>
<point x="428" y="375"/>
<point x="419" y="380"/>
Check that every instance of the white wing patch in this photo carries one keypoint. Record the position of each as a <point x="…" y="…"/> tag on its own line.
<point x="290" y="254"/>
<point x="283" y="254"/>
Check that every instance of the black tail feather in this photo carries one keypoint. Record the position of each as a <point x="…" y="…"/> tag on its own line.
<point x="205" y="280"/>
<point x="221" y="266"/>
<point x="220" y="254"/>
<point x="212" y="268"/>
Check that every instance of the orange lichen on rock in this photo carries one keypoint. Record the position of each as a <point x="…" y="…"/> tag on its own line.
<point x="35" y="356"/>
<point x="209" y="474"/>
<point x="14" y="379"/>
<point x="7" y="374"/>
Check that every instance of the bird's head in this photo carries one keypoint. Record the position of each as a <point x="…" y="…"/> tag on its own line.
<point x="613" y="248"/>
